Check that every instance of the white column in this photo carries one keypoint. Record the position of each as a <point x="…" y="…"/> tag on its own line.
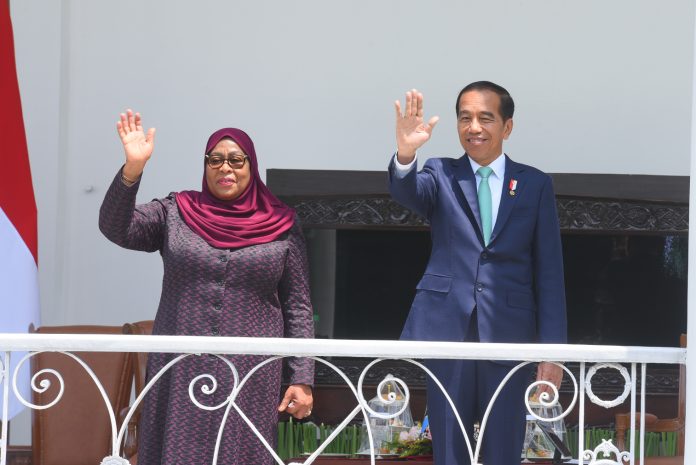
<point x="690" y="446"/>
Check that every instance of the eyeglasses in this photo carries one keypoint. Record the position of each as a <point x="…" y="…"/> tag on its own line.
<point x="216" y="162"/>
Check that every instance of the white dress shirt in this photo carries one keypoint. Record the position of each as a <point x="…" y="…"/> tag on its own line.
<point x="495" y="181"/>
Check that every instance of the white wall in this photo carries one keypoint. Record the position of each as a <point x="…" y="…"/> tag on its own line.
<point x="600" y="86"/>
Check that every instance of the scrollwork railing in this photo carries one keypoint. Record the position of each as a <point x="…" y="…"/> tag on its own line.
<point x="603" y="357"/>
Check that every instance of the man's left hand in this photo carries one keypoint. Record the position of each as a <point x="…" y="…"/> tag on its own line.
<point x="297" y="401"/>
<point x="550" y="372"/>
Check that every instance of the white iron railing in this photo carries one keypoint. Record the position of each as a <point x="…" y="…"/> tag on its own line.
<point x="590" y="358"/>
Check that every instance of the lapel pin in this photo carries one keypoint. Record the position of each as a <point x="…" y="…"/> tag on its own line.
<point x="513" y="187"/>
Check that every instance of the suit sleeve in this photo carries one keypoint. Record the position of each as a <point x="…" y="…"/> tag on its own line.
<point x="548" y="270"/>
<point x="133" y="227"/>
<point x="298" y="315"/>
<point x="416" y="191"/>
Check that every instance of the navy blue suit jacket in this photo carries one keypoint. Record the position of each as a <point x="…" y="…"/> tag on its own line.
<point x="516" y="283"/>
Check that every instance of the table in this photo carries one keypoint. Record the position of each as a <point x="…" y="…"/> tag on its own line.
<point x="397" y="461"/>
<point x="364" y="461"/>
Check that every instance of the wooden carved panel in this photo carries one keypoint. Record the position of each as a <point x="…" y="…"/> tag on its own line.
<point x="574" y="215"/>
<point x="660" y="380"/>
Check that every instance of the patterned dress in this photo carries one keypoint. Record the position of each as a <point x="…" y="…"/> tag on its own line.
<point x="259" y="291"/>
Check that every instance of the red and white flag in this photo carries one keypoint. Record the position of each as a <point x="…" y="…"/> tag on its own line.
<point x="19" y="290"/>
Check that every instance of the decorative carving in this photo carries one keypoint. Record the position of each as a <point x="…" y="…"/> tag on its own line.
<point x="365" y="212"/>
<point x="574" y="214"/>
<point x="353" y="367"/>
<point x="607" y="215"/>
<point x="659" y="380"/>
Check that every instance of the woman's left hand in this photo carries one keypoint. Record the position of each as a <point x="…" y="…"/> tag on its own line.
<point x="297" y="401"/>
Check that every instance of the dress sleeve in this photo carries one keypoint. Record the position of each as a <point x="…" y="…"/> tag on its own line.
<point x="296" y="306"/>
<point x="133" y="227"/>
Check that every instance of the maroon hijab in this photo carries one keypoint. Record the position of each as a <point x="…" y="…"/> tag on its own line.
<point x="255" y="217"/>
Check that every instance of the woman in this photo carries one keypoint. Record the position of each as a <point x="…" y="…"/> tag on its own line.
<point x="234" y="265"/>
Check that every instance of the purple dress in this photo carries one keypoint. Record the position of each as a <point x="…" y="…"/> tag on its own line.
<point x="259" y="291"/>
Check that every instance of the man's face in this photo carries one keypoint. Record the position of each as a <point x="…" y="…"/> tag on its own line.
<point x="481" y="128"/>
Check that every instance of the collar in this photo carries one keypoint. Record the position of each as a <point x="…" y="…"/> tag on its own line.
<point x="497" y="165"/>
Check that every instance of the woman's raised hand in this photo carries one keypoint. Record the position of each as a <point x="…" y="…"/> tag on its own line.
<point x="411" y="131"/>
<point x="137" y="145"/>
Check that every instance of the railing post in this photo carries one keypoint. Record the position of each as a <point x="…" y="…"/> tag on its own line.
<point x="4" y="426"/>
<point x="581" y="416"/>
<point x="632" y="430"/>
<point x="690" y="428"/>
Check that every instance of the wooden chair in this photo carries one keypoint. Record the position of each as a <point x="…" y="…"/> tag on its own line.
<point x="130" y="446"/>
<point x="77" y="430"/>
<point x="140" y="360"/>
<point x="654" y="424"/>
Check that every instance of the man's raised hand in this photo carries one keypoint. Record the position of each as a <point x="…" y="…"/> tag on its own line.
<point x="411" y="131"/>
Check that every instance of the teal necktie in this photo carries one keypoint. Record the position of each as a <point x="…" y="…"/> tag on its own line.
<point x="485" y="203"/>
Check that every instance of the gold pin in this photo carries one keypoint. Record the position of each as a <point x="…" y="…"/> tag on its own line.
<point x="512" y="192"/>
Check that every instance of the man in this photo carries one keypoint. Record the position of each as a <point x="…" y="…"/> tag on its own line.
<point x="495" y="272"/>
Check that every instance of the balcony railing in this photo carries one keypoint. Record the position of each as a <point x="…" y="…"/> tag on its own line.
<point x="590" y="359"/>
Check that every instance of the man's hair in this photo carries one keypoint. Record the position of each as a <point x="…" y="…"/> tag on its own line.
<point x="507" y="105"/>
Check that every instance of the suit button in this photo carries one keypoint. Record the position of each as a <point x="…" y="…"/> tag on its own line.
<point x="484" y="255"/>
<point x="223" y="258"/>
<point x="217" y="306"/>
<point x="220" y="282"/>
<point x="479" y="287"/>
<point x="215" y="331"/>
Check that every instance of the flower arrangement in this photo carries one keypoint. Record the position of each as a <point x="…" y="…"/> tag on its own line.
<point x="415" y="441"/>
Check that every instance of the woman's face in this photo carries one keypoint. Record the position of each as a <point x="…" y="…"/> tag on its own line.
<point x="225" y="182"/>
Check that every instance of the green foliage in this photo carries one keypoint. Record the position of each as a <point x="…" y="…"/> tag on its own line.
<point x="295" y="439"/>
<point x="420" y="446"/>
<point x="656" y="444"/>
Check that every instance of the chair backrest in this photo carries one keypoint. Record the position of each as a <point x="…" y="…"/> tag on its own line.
<point x="130" y="446"/>
<point x="77" y="430"/>
<point x="140" y="359"/>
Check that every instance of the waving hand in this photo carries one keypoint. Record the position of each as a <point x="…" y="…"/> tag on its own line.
<point x="137" y="145"/>
<point x="411" y="131"/>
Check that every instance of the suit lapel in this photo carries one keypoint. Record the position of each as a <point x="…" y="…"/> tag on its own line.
<point x="467" y="182"/>
<point x="507" y="202"/>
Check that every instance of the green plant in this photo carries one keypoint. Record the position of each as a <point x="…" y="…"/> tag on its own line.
<point x="295" y="439"/>
<point x="420" y="446"/>
<point x="656" y="444"/>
